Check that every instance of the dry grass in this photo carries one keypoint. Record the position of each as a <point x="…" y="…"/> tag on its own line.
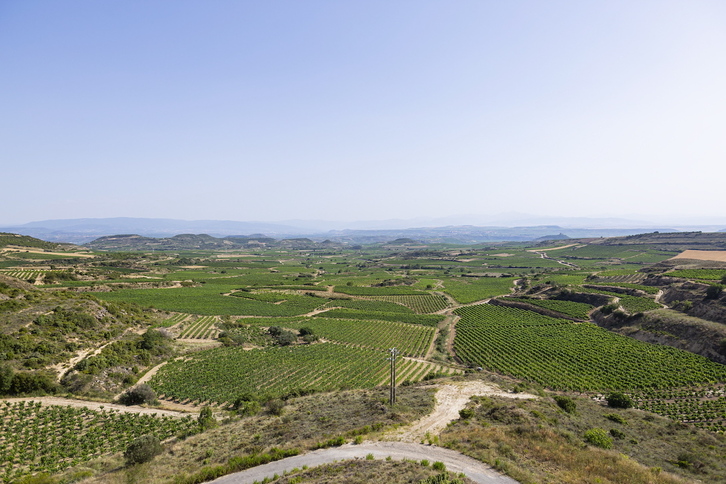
<point x="304" y="423"/>
<point x="364" y="472"/>
<point x="536" y="442"/>
<point x="713" y="255"/>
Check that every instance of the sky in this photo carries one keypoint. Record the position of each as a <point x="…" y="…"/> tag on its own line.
<point x="362" y="110"/>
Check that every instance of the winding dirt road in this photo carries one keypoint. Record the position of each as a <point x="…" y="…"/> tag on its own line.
<point x="455" y="462"/>
<point x="401" y="443"/>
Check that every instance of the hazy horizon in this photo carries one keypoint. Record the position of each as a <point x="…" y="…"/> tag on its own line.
<point x="362" y="111"/>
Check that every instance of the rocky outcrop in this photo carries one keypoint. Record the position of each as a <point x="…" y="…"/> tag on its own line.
<point x="671" y="328"/>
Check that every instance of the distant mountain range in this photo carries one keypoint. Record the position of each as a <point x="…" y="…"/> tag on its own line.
<point x="81" y="231"/>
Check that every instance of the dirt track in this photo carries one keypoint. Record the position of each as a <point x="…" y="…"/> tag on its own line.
<point x="401" y="443"/>
<point x="96" y="405"/>
<point x="450" y="398"/>
<point x="456" y="462"/>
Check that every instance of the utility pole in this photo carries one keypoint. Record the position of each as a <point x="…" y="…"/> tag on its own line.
<point x="392" y="359"/>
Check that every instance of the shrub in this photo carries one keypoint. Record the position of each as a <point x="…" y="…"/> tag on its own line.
<point x="616" y="418"/>
<point x="246" y="408"/>
<point x="275" y="406"/>
<point x="714" y="291"/>
<point x="466" y="413"/>
<point x="439" y="466"/>
<point x="566" y="403"/>
<point x="138" y="395"/>
<point x="617" y="433"/>
<point x="619" y="400"/>
<point x="143" y="449"/>
<point x="598" y="438"/>
<point x="206" y="419"/>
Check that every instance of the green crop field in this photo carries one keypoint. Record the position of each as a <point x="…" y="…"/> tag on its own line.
<point x="420" y="304"/>
<point x="423" y="319"/>
<point x="470" y="289"/>
<point x="220" y="375"/>
<point x="49" y="438"/>
<point x="634" y="304"/>
<point x="569" y="308"/>
<point x="702" y="274"/>
<point x="411" y="340"/>
<point x="210" y="300"/>
<point x="564" y="355"/>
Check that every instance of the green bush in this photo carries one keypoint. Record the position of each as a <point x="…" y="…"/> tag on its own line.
<point x="619" y="400"/>
<point x="143" y="449"/>
<point x="206" y="419"/>
<point x="714" y="291"/>
<point x="616" y="418"/>
<point x="138" y="395"/>
<point x="566" y="403"/>
<point x="617" y="433"/>
<point x="599" y="438"/>
<point x="466" y="413"/>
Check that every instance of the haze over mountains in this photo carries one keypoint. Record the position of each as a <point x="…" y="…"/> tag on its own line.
<point x="467" y="229"/>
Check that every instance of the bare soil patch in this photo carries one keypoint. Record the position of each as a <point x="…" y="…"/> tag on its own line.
<point x="712" y="255"/>
<point x="99" y="405"/>
<point x="450" y="398"/>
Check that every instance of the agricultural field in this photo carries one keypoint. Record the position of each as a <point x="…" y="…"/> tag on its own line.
<point x="410" y="339"/>
<point x="567" y="356"/>
<point x="568" y="308"/>
<point x="699" y="274"/>
<point x="49" y="438"/>
<point x="279" y="322"/>
<point x="470" y="289"/>
<point x="279" y="372"/>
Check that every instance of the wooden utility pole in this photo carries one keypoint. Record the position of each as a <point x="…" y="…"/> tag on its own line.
<point x="392" y="359"/>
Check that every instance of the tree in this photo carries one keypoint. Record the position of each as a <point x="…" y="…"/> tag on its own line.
<point x="286" y="338"/>
<point x="566" y="403"/>
<point x="6" y="378"/>
<point x="619" y="400"/>
<point x="206" y="419"/>
<point x="714" y="291"/>
<point x="138" y="395"/>
<point x="143" y="449"/>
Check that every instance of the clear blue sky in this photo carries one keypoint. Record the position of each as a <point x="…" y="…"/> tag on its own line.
<point x="360" y="110"/>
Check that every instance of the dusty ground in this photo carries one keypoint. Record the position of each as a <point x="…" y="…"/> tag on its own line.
<point x="450" y="398"/>
<point x="41" y="251"/>
<point x="714" y="255"/>
<point x="454" y="461"/>
<point x="99" y="405"/>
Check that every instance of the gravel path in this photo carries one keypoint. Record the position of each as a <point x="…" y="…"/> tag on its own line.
<point x="455" y="462"/>
<point x="450" y="398"/>
<point x="96" y="405"/>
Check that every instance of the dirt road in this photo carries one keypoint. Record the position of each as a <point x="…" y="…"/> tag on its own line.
<point x="455" y="462"/>
<point x="96" y="405"/>
<point x="450" y="398"/>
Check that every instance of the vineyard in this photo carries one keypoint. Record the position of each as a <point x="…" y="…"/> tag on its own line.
<point x="705" y="408"/>
<point x="626" y="285"/>
<point x="568" y="308"/>
<point x="25" y="275"/>
<point x="470" y="289"/>
<point x="411" y="340"/>
<point x="204" y="327"/>
<point x="423" y="319"/>
<point x="220" y="375"/>
<point x="702" y="274"/>
<point x="634" y="304"/>
<point x="580" y="357"/>
<point x="49" y="438"/>
<point x="422" y="304"/>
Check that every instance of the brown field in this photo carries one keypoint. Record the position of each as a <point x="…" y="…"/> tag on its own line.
<point x="714" y="255"/>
